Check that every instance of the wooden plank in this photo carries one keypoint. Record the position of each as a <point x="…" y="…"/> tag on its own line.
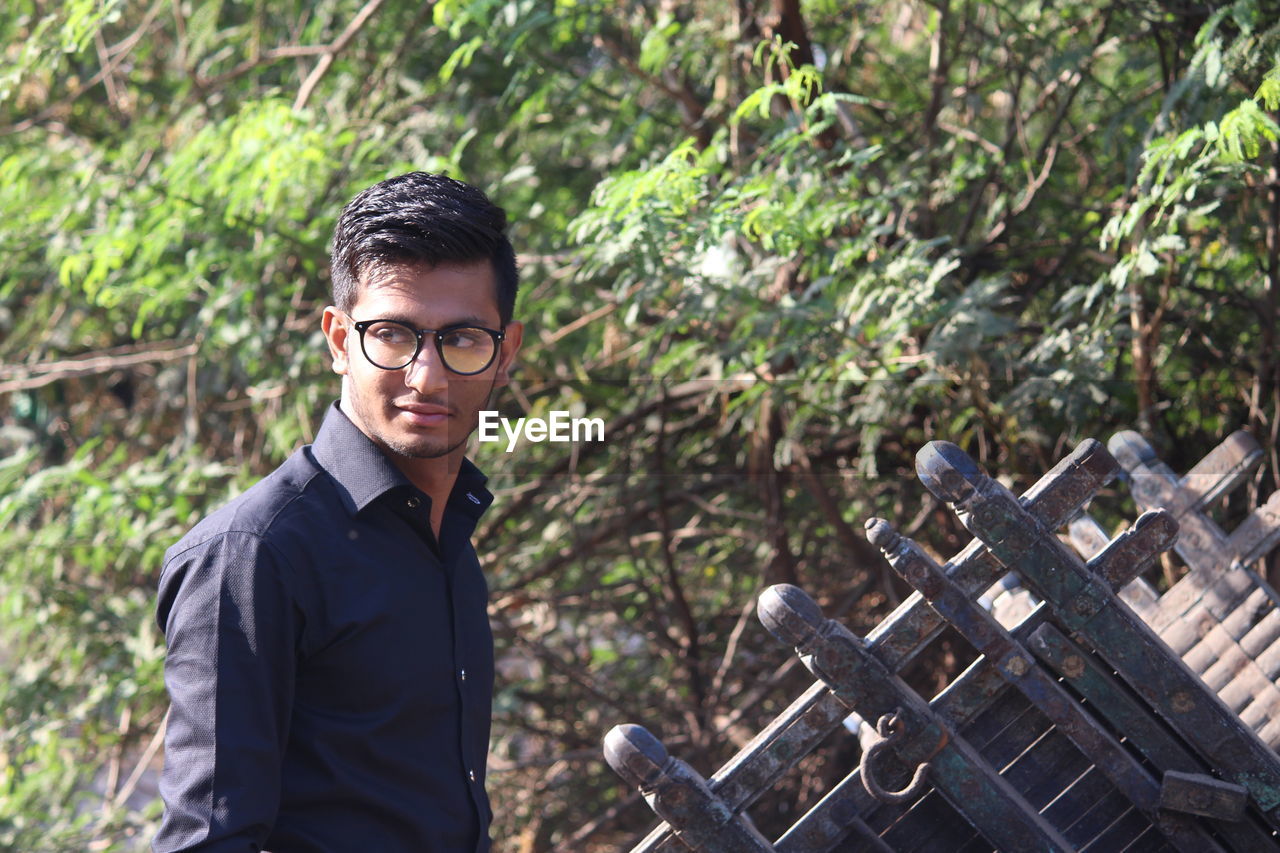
<point x="979" y="693"/>
<point x="1122" y="832"/>
<point x="1016" y="738"/>
<point x="1084" y="793"/>
<point x="847" y="810"/>
<point x="928" y="820"/>
<point x="1085" y="605"/>
<point x="1054" y="499"/>
<point x="1261" y="707"/>
<point x="1263" y="635"/>
<point x="1154" y="484"/>
<point x="840" y="818"/>
<point x="1113" y="700"/>
<point x="1249" y="689"/>
<point x="989" y="724"/>
<point x="1258" y="534"/>
<point x="1092" y="823"/>
<point x="1046" y="770"/>
<point x="823" y="826"/>
<point x="977" y="845"/>
<point x="681" y="797"/>
<point x="845" y="664"/>
<point x="1130" y="552"/>
<point x="1185" y="636"/>
<point x="976" y="690"/>
<point x="1148" y="842"/>
<point x="1018" y="667"/>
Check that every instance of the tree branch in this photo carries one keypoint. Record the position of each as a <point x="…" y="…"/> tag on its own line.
<point x="691" y="107"/>
<point x="326" y="60"/>
<point x="25" y="378"/>
<point x="275" y="54"/>
<point x="116" y="55"/>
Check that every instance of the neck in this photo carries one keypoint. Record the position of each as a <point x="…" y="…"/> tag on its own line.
<point x="435" y="477"/>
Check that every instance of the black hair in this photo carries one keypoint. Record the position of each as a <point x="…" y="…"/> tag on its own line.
<point x="421" y="218"/>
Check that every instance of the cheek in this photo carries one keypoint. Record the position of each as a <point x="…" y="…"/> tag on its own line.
<point x="472" y="394"/>
<point x="371" y="382"/>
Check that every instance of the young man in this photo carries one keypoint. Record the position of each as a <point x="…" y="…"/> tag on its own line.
<point x="329" y="665"/>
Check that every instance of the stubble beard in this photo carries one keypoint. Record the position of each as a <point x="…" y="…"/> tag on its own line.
<point x="431" y="450"/>
<point x="380" y="431"/>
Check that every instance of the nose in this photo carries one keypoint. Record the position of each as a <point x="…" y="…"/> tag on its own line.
<point x="426" y="373"/>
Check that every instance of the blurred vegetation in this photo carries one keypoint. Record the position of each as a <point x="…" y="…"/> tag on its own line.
<point x="776" y="244"/>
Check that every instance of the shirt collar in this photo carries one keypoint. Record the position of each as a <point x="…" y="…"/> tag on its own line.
<point x="363" y="472"/>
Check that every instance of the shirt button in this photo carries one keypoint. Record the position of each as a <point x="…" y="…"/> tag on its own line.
<point x="413" y="503"/>
<point x="471" y="774"/>
<point x="462" y="674"/>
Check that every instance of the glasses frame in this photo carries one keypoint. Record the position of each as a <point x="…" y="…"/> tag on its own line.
<point x="498" y="335"/>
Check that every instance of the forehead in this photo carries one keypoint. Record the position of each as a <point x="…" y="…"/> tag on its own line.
<point x="430" y="295"/>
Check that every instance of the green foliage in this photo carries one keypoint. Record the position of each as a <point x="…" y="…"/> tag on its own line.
<point x="776" y="256"/>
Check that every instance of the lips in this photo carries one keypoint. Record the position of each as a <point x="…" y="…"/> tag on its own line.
<point x="423" y="414"/>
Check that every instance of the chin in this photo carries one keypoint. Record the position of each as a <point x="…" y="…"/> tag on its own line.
<point x="416" y="447"/>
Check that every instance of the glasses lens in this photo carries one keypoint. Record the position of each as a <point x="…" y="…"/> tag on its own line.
<point x="467" y="350"/>
<point x="390" y="345"/>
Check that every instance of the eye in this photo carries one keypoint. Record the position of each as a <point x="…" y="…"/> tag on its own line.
<point x="466" y="338"/>
<point x="391" y="334"/>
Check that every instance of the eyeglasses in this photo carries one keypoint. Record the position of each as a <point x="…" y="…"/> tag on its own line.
<point x="465" y="350"/>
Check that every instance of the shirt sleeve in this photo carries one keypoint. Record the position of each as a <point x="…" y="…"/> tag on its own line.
<point x="231" y="628"/>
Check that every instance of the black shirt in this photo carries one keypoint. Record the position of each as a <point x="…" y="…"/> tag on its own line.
<point x="330" y="664"/>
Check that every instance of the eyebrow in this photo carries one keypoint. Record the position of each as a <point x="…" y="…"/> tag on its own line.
<point x="469" y="320"/>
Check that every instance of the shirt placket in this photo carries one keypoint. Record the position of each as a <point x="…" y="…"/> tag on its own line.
<point x="455" y="531"/>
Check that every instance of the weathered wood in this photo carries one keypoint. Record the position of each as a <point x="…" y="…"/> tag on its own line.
<point x="1262" y="635"/>
<point x="1125" y="834"/>
<point x="679" y="795"/>
<point x="1006" y="749"/>
<point x="1215" y="636"/>
<point x="1258" y="534"/>
<point x="844" y="663"/>
<point x="1257" y="708"/>
<point x="1055" y="498"/>
<point x="1086" y="605"/>
<point x="1221" y="618"/>
<point x="1082" y="796"/>
<point x="1197" y="793"/>
<point x="1154" y="484"/>
<point x="925" y="824"/>
<point x="839" y="816"/>
<point x="1017" y="666"/>
<point x="1114" y="701"/>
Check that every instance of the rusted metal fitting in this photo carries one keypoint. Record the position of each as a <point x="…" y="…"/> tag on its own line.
<point x="889" y="730"/>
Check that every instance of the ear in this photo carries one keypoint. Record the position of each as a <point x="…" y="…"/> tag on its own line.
<point x="507" y="352"/>
<point x="336" y="333"/>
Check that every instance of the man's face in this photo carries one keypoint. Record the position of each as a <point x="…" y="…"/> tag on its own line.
<point x="423" y="410"/>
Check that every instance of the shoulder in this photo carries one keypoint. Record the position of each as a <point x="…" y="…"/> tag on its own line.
<point x="255" y="542"/>
<point x="276" y="527"/>
<point x="297" y="491"/>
